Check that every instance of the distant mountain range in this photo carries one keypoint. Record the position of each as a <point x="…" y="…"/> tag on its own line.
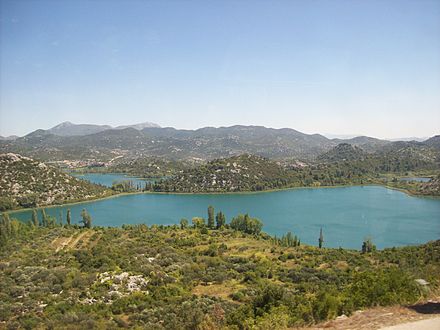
<point x="69" y="129"/>
<point x="10" y="137"/>
<point x="102" y="142"/>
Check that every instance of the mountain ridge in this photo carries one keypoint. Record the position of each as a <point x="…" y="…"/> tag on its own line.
<point x="68" y="128"/>
<point x="205" y="143"/>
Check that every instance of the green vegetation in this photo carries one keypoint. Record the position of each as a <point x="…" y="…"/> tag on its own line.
<point x="246" y="224"/>
<point x="28" y="183"/>
<point x="253" y="173"/>
<point x="240" y="173"/>
<point x="86" y="219"/>
<point x="321" y="239"/>
<point x="168" y="277"/>
<point x="145" y="167"/>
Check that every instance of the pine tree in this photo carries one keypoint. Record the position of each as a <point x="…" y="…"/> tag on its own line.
<point x="68" y="217"/>
<point x="35" y="220"/>
<point x="210" y="217"/>
<point x="321" y="239"/>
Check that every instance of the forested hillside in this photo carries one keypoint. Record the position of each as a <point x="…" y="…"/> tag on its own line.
<point x="25" y="182"/>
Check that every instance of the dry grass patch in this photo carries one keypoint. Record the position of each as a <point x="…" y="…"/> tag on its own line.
<point x="220" y="290"/>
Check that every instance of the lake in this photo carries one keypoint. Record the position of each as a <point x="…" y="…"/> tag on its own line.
<point x="347" y="215"/>
<point x="107" y="179"/>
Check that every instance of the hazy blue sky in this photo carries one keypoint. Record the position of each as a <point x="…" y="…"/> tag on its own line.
<point x="346" y="67"/>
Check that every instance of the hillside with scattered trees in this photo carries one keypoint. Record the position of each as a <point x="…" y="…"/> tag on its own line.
<point x="343" y="165"/>
<point x="343" y="152"/>
<point x="25" y="182"/>
<point x="146" y="167"/>
<point x="224" y="274"/>
<point x="239" y="173"/>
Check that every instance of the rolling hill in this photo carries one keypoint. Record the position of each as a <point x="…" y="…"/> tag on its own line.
<point x="25" y="182"/>
<point x="343" y="152"/>
<point x="238" y="173"/>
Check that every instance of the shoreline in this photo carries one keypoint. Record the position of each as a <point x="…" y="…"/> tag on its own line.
<point x="220" y="193"/>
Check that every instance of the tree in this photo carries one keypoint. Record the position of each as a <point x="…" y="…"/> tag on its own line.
<point x="211" y="217"/>
<point x="198" y="222"/>
<point x="44" y="219"/>
<point x="7" y="203"/>
<point x="86" y="219"/>
<point x="183" y="223"/>
<point x="68" y="217"/>
<point x="220" y="219"/>
<point x="288" y="240"/>
<point x="368" y="246"/>
<point x="246" y="224"/>
<point x="5" y="228"/>
<point x="35" y="220"/>
<point x="321" y="239"/>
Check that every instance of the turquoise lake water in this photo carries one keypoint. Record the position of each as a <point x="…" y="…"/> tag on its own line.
<point x="107" y="179"/>
<point x="347" y="215"/>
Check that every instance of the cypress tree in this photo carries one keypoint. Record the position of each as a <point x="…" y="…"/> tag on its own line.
<point x="210" y="217"/>
<point x="44" y="218"/>
<point x="68" y="217"/>
<point x="220" y="219"/>
<point x="321" y="238"/>
<point x="35" y="220"/>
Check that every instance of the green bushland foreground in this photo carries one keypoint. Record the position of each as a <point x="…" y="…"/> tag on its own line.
<point x="201" y="274"/>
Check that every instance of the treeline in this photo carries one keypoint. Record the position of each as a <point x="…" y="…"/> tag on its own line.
<point x="13" y="228"/>
<point x="243" y="223"/>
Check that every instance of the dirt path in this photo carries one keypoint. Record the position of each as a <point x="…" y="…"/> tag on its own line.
<point x="84" y="236"/>
<point x="383" y="317"/>
<point x="71" y="242"/>
<point x="418" y="325"/>
<point x="61" y="242"/>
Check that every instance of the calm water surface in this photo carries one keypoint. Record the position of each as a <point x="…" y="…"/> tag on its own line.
<point x="107" y="179"/>
<point x="347" y="215"/>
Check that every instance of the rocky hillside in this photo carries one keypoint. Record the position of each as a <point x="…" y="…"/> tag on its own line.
<point x="396" y="157"/>
<point x="238" y="173"/>
<point x="25" y="182"/>
<point x="431" y="188"/>
<point x="205" y="143"/>
<point x="149" y="167"/>
<point x="343" y="152"/>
